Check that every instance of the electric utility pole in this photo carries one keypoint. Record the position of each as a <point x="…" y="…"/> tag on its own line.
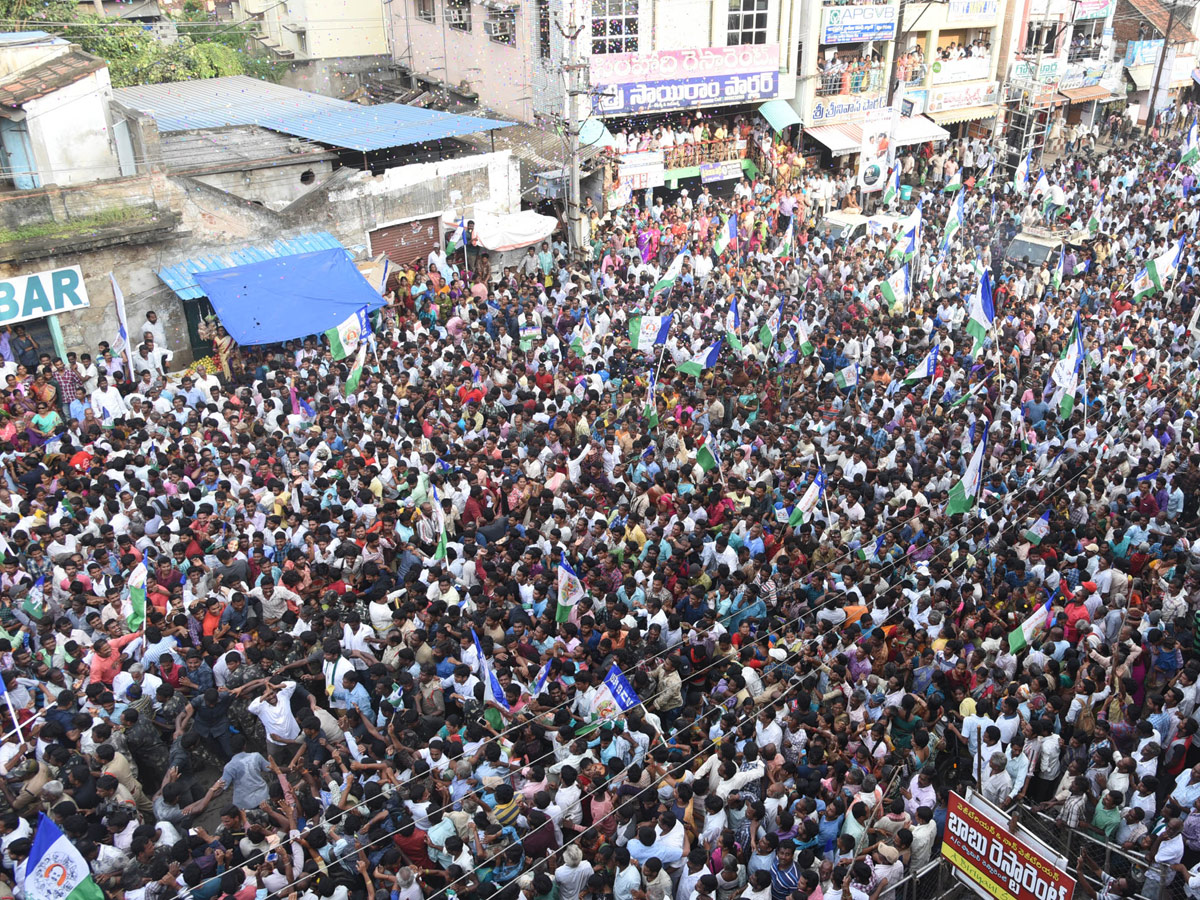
<point x="576" y="70"/>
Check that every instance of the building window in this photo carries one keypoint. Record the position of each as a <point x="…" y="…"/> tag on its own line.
<point x="747" y="22"/>
<point x="543" y="24"/>
<point x="425" y="11"/>
<point x="1040" y="37"/>
<point x="614" y="26"/>
<point x="458" y="14"/>
<point x="500" y="26"/>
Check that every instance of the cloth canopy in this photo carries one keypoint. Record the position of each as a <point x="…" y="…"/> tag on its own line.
<point x="288" y="297"/>
<point x="779" y="113"/>
<point x="507" y="232"/>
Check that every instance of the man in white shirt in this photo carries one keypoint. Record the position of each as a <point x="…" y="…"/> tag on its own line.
<point x="274" y="710"/>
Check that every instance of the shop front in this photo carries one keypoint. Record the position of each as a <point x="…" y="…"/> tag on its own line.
<point x="34" y="303"/>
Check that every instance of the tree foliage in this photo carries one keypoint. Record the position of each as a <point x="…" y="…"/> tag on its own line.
<point x="204" y="49"/>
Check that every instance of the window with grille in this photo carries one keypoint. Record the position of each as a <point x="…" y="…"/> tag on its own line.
<point x="425" y="11"/>
<point x="614" y="26"/>
<point x="458" y="14"/>
<point x="747" y="22"/>
<point x="543" y="11"/>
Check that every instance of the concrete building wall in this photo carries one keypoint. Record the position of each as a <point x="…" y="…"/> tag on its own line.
<point x="276" y="187"/>
<point x="70" y="132"/>
<point x="337" y="76"/>
<point x="212" y="222"/>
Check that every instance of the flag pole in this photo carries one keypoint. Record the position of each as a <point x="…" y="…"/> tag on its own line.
<point x="13" y="713"/>
<point x="824" y="493"/>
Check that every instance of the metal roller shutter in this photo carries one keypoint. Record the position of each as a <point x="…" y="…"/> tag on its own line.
<point x="407" y="243"/>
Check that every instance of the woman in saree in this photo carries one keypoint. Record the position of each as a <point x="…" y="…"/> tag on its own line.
<point x="225" y="347"/>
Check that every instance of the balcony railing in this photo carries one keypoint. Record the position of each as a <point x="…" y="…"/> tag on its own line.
<point x="855" y="2"/>
<point x="1078" y="54"/>
<point x="851" y="81"/>
<point x="687" y="155"/>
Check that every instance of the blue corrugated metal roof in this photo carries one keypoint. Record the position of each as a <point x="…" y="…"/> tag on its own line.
<point x="241" y="100"/>
<point x="179" y="277"/>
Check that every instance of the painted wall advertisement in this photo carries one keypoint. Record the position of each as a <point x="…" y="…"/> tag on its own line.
<point x="995" y="862"/>
<point x="682" y="79"/>
<point x="962" y="11"/>
<point x="25" y="297"/>
<point x="1142" y="53"/>
<point x="855" y="24"/>
<point x="834" y="109"/>
<point x="963" y="96"/>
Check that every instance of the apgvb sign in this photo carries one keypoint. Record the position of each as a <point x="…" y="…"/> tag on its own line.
<point x="26" y="297"/>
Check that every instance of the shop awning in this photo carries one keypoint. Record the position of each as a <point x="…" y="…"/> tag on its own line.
<point x="966" y="114"/>
<point x="289" y="296"/>
<point x="1085" y="94"/>
<point x="840" y="139"/>
<point x="847" y="138"/>
<point x="779" y="113"/>
<point x="1141" y="76"/>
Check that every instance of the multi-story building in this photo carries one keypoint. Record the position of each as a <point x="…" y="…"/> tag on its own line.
<point x="1140" y="38"/>
<point x="316" y="29"/>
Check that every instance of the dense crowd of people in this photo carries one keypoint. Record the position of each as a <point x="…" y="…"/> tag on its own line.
<point x="702" y="567"/>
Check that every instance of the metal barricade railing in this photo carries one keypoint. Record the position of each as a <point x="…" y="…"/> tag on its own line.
<point x="1111" y="859"/>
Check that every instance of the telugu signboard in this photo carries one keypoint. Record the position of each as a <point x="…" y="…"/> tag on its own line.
<point x="1079" y="75"/>
<point x="952" y="71"/>
<point x="720" y="171"/>
<point x="963" y="96"/>
<point x="962" y="11"/>
<point x="682" y="79"/>
<point x="25" y="297"/>
<point x="855" y="24"/>
<point x="1093" y="9"/>
<point x="834" y="109"/>
<point x="995" y="862"/>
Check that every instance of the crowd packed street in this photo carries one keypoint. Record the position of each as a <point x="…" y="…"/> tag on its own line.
<point x="702" y="567"/>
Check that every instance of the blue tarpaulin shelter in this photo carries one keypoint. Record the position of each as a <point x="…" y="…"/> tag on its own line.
<point x="288" y="297"/>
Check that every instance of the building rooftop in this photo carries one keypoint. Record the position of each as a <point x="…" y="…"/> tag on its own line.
<point x="241" y="100"/>
<point x="211" y="150"/>
<point x="48" y="77"/>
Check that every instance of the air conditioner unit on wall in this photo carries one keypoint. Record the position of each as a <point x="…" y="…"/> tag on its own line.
<point x="456" y="15"/>
<point x="498" y="29"/>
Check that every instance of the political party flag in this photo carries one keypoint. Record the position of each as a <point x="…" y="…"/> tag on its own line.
<point x="726" y="236"/>
<point x="34" y="602"/>
<point x="1022" y="636"/>
<point x="909" y="240"/>
<point x="1191" y="146"/>
<point x="734" y="341"/>
<point x="343" y="340"/>
<point x="55" y="869"/>
<point x="584" y="336"/>
<point x="770" y="328"/>
<point x="1041" y="187"/>
<point x="1021" y="177"/>
<point x="897" y="289"/>
<point x="1157" y="273"/>
<point x="670" y="275"/>
<point x="1059" y="273"/>
<point x="491" y="684"/>
<point x="121" y="345"/>
<point x="707" y="456"/>
<point x="892" y="189"/>
<point x="807" y="347"/>
<point x="615" y="696"/>
<point x="649" y="331"/>
<point x="1093" y="222"/>
<point x="954" y="220"/>
<point x="1037" y="532"/>
<point x="570" y="590"/>
<point x="785" y="246"/>
<point x="137" y="596"/>
<point x="543" y="676"/>
<point x="965" y="493"/>
<point x="458" y="237"/>
<point x="983" y="313"/>
<point x="705" y="359"/>
<point x="356" y="372"/>
<point x="954" y="184"/>
<point x="650" y="408"/>
<point x="808" y="500"/>
<point x="733" y="318"/>
<point x="983" y="179"/>
<point x="925" y="368"/>
<point x="848" y="377"/>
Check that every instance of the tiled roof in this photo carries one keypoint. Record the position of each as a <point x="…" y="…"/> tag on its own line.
<point x="1158" y="15"/>
<point x="29" y="84"/>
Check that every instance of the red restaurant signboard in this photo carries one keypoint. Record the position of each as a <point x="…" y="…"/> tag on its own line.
<point x="996" y="862"/>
